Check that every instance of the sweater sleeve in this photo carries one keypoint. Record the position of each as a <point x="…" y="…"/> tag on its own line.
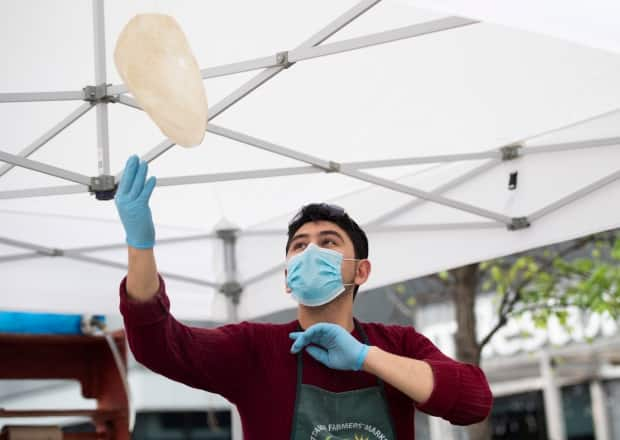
<point x="461" y="393"/>
<point x="216" y="359"/>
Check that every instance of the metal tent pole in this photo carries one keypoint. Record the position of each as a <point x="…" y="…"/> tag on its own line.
<point x="422" y="227"/>
<point x="302" y="54"/>
<point x="513" y="150"/>
<point x="265" y="274"/>
<point x="103" y="147"/>
<point x="42" y="250"/>
<point x="402" y="33"/>
<point x="269" y="73"/>
<point x="567" y="146"/>
<point x="336" y="167"/>
<point x="123" y="266"/>
<point x="160" y="242"/>
<point x="231" y="288"/>
<point x="56" y="252"/>
<point x="50" y="134"/>
<point x="575" y="196"/>
<point x="237" y="175"/>
<point x="43" y="191"/>
<point x="428" y="196"/>
<point x="44" y="168"/>
<point x="71" y="95"/>
<point x="18" y="257"/>
<point x="439" y="190"/>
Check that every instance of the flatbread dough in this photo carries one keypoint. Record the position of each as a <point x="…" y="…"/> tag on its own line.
<point x="156" y="63"/>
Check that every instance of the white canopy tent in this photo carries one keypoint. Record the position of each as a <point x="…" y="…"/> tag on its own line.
<point x="412" y="120"/>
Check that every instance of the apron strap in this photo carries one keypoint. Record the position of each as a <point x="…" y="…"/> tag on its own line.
<point x="300" y="369"/>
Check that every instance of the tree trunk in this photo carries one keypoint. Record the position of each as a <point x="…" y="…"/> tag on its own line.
<point x="467" y="348"/>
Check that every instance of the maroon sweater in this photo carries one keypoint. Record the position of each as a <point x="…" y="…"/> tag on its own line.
<point x="250" y="364"/>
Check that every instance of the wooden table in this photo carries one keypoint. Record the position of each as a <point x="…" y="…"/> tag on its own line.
<point x="85" y="358"/>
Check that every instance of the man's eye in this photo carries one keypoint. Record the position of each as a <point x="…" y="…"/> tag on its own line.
<point x="298" y="246"/>
<point x="328" y="242"/>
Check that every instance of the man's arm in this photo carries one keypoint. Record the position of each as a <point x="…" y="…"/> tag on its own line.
<point x="336" y="348"/>
<point x="441" y="386"/>
<point x="220" y="360"/>
<point x="132" y="202"/>
<point x="142" y="279"/>
<point x="411" y="376"/>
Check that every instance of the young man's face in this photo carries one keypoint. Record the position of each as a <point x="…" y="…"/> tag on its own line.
<point x="329" y="235"/>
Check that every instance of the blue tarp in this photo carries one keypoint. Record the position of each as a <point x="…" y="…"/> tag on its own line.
<point x="40" y="323"/>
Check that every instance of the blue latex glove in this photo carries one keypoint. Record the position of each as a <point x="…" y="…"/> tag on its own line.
<point x="333" y="346"/>
<point x="132" y="203"/>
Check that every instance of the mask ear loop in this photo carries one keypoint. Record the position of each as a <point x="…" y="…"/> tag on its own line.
<point x="347" y="285"/>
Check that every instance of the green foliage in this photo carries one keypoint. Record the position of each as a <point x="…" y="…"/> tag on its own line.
<point x="550" y="282"/>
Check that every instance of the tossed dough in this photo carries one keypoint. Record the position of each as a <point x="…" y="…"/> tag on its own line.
<point x="156" y="63"/>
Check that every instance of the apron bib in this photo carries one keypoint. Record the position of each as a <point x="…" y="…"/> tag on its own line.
<point x="352" y="415"/>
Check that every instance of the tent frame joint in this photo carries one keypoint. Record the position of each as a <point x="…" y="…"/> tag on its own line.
<point x="333" y="167"/>
<point x="53" y="252"/>
<point x="227" y="234"/>
<point x="103" y="187"/>
<point x="282" y="59"/>
<point x="98" y="94"/>
<point x="518" y="223"/>
<point x="232" y="289"/>
<point x="510" y="152"/>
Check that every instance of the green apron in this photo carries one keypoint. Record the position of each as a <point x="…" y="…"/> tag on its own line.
<point x="352" y="415"/>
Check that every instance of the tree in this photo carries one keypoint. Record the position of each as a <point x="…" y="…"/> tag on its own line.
<point x="582" y="274"/>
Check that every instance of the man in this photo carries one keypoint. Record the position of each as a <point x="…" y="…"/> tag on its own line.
<point x="325" y="375"/>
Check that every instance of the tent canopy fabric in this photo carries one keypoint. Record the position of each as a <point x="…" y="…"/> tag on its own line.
<point x="413" y="120"/>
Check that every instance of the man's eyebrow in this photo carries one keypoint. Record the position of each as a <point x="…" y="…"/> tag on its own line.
<point x="322" y="233"/>
<point x="299" y="236"/>
<point x="331" y="232"/>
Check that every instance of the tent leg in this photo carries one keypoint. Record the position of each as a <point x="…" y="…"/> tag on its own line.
<point x="103" y="147"/>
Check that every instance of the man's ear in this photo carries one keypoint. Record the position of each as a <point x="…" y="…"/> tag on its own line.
<point x="363" y="272"/>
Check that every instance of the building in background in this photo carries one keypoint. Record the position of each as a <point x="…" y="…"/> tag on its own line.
<point x="543" y="380"/>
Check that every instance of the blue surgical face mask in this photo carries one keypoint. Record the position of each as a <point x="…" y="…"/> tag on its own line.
<point x="315" y="275"/>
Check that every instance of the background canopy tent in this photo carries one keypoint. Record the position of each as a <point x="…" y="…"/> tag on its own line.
<point x="418" y="122"/>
